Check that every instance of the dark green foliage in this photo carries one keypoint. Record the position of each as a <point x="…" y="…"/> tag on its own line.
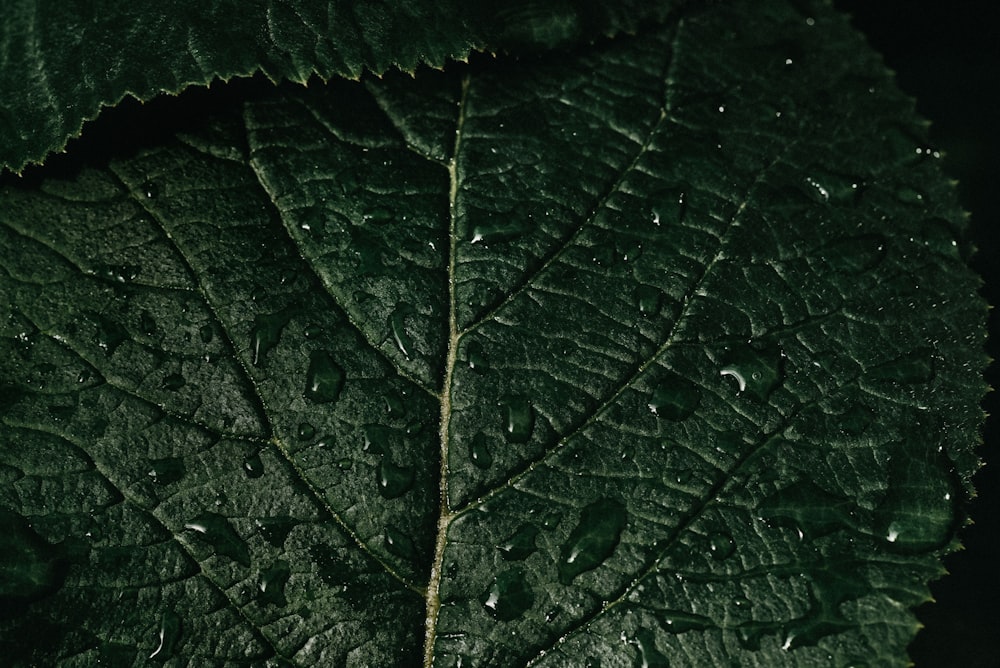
<point x="661" y="348"/>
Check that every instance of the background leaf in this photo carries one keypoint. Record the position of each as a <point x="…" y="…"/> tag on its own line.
<point x="699" y="358"/>
<point x="60" y="63"/>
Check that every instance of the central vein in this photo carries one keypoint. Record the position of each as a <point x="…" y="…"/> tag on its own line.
<point x="445" y="515"/>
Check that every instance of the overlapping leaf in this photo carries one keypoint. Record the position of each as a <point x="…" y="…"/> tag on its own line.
<point x="60" y="63"/>
<point x="650" y="351"/>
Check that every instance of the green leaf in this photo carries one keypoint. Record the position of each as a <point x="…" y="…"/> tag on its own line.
<point x="663" y="349"/>
<point x="60" y="63"/>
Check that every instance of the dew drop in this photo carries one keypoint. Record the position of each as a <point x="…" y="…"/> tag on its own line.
<point x="120" y="273"/>
<point x="908" y="195"/>
<point x="397" y="325"/>
<point x="32" y="567"/>
<point x="174" y="382"/>
<point x="479" y="452"/>
<point x="167" y="470"/>
<point x="275" y="530"/>
<point x="721" y="545"/>
<point x="368" y="250"/>
<point x="393" y="481"/>
<point x="756" y="372"/>
<point x="918" y="513"/>
<point x="649" y="656"/>
<point x="206" y="333"/>
<point x="476" y="358"/>
<point x="854" y="255"/>
<point x="509" y="595"/>
<point x="917" y="367"/>
<point x="110" y="335"/>
<point x="648" y="300"/>
<point x="151" y="190"/>
<point x="169" y="634"/>
<point x="808" y="509"/>
<point x="216" y="530"/>
<point x="379" y="214"/>
<point x="399" y="544"/>
<point x="324" y="378"/>
<point x="491" y="233"/>
<point x="519" y="419"/>
<point x="520" y="545"/>
<point x="271" y="585"/>
<point x="265" y="334"/>
<point x="855" y="420"/>
<point x="676" y="621"/>
<point x="312" y="331"/>
<point x="306" y="431"/>
<point x="593" y="539"/>
<point x="253" y="466"/>
<point x="674" y="398"/>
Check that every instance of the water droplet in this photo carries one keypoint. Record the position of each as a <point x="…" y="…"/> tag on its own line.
<point x="854" y="255"/>
<point x="312" y="331"/>
<point x="808" y="509"/>
<point x="174" y="382"/>
<point x="120" y="273"/>
<point x="908" y="195"/>
<point x="593" y="539"/>
<point x="756" y="371"/>
<point x="375" y="438"/>
<point x="253" y="466"/>
<point x="272" y="584"/>
<point x="32" y="567"/>
<point x="721" y="545"/>
<point x="216" y="530"/>
<point x="206" y="333"/>
<point x="475" y="357"/>
<point x="677" y="621"/>
<point x="855" y="420"/>
<point x="509" y="595"/>
<point x="275" y="529"/>
<point x="345" y="464"/>
<point x="393" y="481"/>
<point x="917" y="367"/>
<point x="171" y="627"/>
<point x="306" y="431"/>
<point x="649" y="656"/>
<point x="508" y="230"/>
<point x="521" y="544"/>
<point x="324" y="379"/>
<point x="110" y="334"/>
<point x="397" y="324"/>
<point x="479" y="452"/>
<point x="399" y="544"/>
<point x="379" y="214"/>
<point x="648" y="300"/>
<point x="151" y="190"/>
<point x="671" y="205"/>
<point x="674" y="398"/>
<point x="167" y="470"/>
<point x="368" y="250"/>
<point x="519" y="419"/>
<point x="265" y="334"/>
<point x="918" y="513"/>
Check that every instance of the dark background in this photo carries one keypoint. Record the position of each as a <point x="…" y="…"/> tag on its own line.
<point x="947" y="56"/>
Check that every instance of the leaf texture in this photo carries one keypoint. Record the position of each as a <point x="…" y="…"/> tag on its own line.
<point x="662" y="349"/>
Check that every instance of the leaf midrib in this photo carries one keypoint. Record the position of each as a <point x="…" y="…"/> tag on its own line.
<point x="445" y="514"/>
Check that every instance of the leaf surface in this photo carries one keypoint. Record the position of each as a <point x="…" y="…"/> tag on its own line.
<point x="650" y="350"/>
<point x="60" y="63"/>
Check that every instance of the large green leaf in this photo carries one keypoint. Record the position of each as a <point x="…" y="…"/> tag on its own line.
<point x="664" y="349"/>
<point x="61" y="62"/>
